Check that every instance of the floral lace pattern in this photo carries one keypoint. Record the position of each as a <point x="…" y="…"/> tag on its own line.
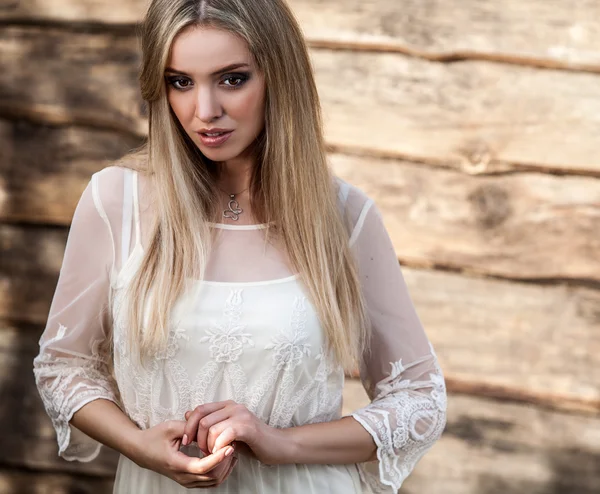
<point x="57" y="375"/>
<point x="405" y="419"/>
<point x="226" y="338"/>
<point x="277" y="394"/>
<point x="290" y="349"/>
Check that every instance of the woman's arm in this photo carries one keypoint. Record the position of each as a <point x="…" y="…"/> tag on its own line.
<point x="215" y="425"/>
<point x="72" y="367"/>
<point x="400" y="372"/>
<point x="105" y="422"/>
<point x="338" y="442"/>
<point x="156" y="448"/>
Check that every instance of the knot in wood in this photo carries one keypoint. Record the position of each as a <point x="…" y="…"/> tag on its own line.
<point x="476" y="158"/>
<point x="491" y="205"/>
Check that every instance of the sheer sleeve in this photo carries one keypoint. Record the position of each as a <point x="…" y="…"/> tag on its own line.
<point x="72" y="367"/>
<point x="401" y="375"/>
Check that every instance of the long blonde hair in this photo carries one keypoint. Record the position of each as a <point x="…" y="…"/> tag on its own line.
<point x="291" y="185"/>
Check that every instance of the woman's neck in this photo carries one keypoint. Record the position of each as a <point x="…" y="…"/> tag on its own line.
<point x="234" y="176"/>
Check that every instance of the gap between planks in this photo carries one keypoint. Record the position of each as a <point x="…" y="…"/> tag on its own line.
<point x="452" y="56"/>
<point x="556" y="402"/>
<point x="487" y="168"/>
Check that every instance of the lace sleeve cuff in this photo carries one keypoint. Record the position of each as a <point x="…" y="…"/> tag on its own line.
<point x="65" y="388"/>
<point x="405" y="420"/>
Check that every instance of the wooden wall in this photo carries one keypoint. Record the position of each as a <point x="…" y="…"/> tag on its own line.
<point x="472" y="123"/>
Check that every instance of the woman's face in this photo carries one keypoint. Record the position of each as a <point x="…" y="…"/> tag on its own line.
<point x="213" y="83"/>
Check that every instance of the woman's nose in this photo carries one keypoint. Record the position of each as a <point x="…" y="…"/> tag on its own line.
<point x="207" y="105"/>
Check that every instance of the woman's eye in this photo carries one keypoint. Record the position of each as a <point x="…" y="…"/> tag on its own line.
<point x="235" y="80"/>
<point x="179" y="82"/>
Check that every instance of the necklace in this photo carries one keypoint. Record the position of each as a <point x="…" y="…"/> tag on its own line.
<point x="234" y="210"/>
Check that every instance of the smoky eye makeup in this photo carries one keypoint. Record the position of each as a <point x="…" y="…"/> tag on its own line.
<point x="177" y="82"/>
<point x="235" y="80"/>
<point x="232" y="80"/>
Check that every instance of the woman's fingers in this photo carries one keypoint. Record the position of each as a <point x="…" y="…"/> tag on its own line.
<point x="201" y="466"/>
<point x="229" y="470"/>
<point x="175" y="428"/>
<point x="194" y="418"/>
<point x="211" y="420"/>
<point x="182" y="463"/>
<point x="218" y="480"/>
<point x="226" y="435"/>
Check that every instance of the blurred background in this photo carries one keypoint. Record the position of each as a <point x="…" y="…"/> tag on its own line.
<point x="474" y="124"/>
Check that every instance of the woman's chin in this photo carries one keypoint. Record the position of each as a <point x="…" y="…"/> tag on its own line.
<point x="218" y="154"/>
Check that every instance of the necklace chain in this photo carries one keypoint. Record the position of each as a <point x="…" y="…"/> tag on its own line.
<point x="235" y="194"/>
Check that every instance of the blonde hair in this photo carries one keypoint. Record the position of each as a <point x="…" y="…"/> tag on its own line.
<point x="291" y="184"/>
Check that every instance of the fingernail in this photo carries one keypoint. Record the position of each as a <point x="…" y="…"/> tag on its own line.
<point x="229" y="451"/>
<point x="184" y="440"/>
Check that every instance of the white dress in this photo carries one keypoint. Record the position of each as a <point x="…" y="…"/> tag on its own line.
<point x="246" y="332"/>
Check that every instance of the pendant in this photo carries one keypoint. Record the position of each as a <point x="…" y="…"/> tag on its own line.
<point x="234" y="210"/>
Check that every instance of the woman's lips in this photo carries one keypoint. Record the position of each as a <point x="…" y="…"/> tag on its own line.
<point x="214" y="141"/>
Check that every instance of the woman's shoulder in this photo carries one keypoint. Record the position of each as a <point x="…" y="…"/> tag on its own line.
<point x="353" y="200"/>
<point x="107" y="185"/>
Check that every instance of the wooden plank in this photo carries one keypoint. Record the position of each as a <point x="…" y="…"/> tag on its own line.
<point x="28" y="439"/>
<point x="477" y="116"/>
<point x="89" y="79"/>
<point x="480" y="117"/>
<point x="44" y="169"/>
<point x="29" y="267"/>
<point x="490" y="447"/>
<point x="541" y="339"/>
<point x="14" y="481"/>
<point x="73" y="11"/>
<point x="521" y="226"/>
<point x="565" y="35"/>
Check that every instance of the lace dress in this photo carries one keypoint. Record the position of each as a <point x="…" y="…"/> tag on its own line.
<point x="246" y="332"/>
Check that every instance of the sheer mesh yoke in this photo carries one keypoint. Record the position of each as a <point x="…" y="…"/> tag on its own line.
<point x="246" y="332"/>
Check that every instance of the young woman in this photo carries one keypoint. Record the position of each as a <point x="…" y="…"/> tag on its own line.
<point x="217" y="284"/>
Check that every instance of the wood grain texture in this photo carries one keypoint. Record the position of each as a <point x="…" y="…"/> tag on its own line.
<point x="108" y="12"/>
<point x="89" y="79"/>
<point x="490" y="447"/>
<point x="523" y="336"/>
<point x="29" y="267"/>
<point x="540" y="339"/>
<point x="521" y="226"/>
<point x="44" y="169"/>
<point x="535" y="32"/>
<point x="478" y="116"/>
<point x="16" y="481"/>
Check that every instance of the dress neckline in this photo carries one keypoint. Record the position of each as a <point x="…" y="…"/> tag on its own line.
<point x="138" y="250"/>
<point x="228" y="226"/>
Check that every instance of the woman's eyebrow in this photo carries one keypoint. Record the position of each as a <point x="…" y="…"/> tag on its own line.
<point x="233" y="66"/>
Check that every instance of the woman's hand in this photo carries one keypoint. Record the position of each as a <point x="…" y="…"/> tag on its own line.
<point x="157" y="449"/>
<point x="215" y="425"/>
